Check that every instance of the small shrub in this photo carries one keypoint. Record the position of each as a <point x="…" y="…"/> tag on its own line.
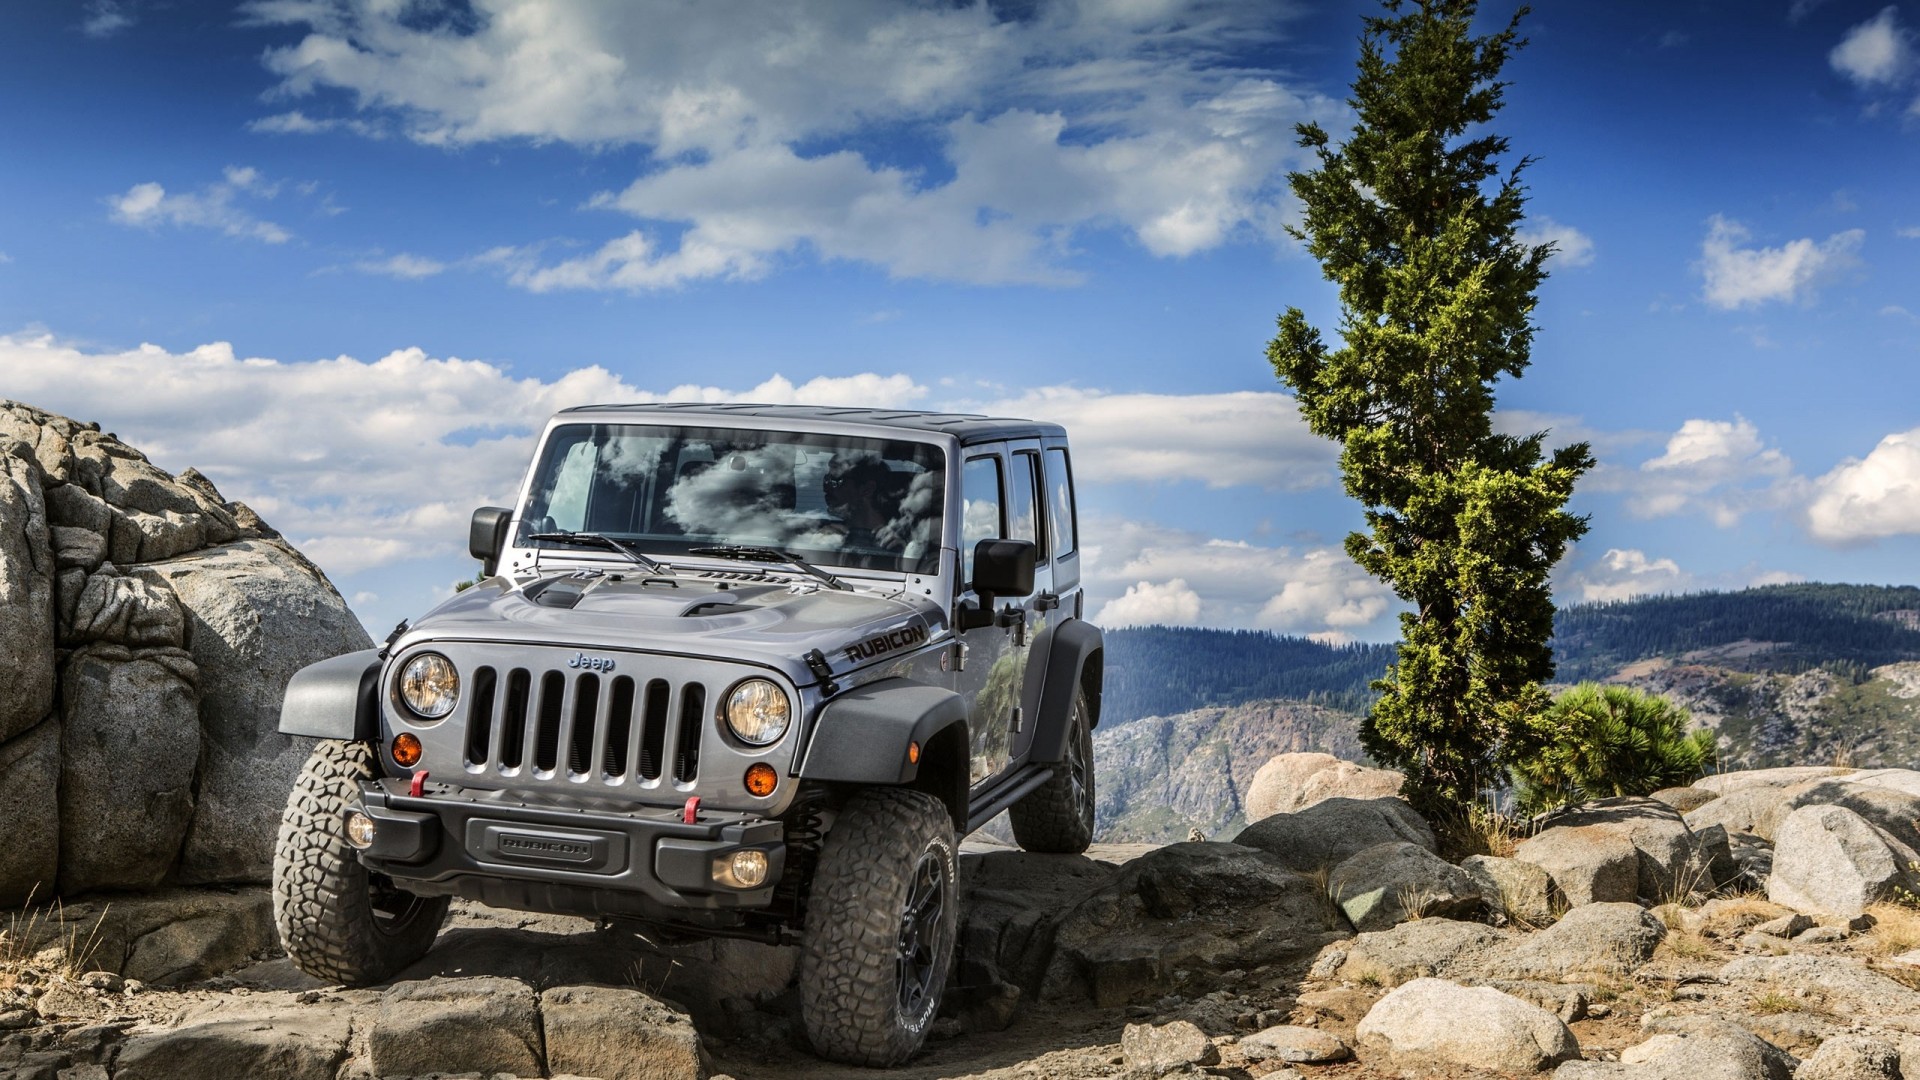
<point x="1773" y="1002"/>
<point x="1597" y="741"/>
<point x="1463" y="829"/>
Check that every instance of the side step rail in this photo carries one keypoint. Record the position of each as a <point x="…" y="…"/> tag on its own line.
<point x="1006" y="793"/>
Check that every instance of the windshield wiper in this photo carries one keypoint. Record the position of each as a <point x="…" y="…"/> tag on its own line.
<point x="602" y="540"/>
<point x="773" y="555"/>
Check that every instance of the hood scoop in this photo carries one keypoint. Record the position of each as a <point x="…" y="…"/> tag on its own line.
<point x="561" y="593"/>
<point x="714" y="607"/>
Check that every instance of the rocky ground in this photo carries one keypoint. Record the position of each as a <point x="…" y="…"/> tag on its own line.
<point x="1758" y="926"/>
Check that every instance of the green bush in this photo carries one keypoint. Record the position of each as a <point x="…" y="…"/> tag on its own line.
<point x="1598" y="741"/>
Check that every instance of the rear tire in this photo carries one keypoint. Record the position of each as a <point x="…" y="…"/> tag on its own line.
<point x="337" y="920"/>
<point x="881" y="920"/>
<point x="1058" y="816"/>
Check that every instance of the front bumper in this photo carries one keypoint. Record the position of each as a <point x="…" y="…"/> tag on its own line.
<point x="642" y="862"/>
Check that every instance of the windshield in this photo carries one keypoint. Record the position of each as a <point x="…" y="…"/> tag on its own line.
<point x="868" y="503"/>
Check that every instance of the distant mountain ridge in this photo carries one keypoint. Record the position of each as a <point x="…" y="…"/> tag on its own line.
<point x="1783" y="674"/>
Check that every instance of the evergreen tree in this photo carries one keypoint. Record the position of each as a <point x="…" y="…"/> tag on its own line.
<point x="1603" y="741"/>
<point x="1415" y="222"/>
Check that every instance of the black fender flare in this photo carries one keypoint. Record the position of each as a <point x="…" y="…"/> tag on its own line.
<point x="335" y="699"/>
<point x="863" y="735"/>
<point x="1076" y="656"/>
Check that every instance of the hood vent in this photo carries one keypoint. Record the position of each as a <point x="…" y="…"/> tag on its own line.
<point x="714" y="607"/>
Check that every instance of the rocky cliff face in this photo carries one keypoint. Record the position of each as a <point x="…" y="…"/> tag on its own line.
<point x="1162" y="776"/>
<point x="147" y="630"/>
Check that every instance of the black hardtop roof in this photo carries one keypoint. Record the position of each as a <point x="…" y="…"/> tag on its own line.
<point x="967" y="427"/>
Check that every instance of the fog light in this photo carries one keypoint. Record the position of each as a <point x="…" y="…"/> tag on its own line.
<point x="359" y="830"/>
<point x="741" y="870"/>
<point x="406" y="749"/>
<point x="761" y="779"/>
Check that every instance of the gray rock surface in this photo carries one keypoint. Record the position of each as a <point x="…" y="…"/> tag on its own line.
<point x="615" y="1033"/>
<point x="1728" y="782"/>
<point x="1666" y="848"/>
<point x="1685" y="799"/>
<point x="1719" y="1054"/>
<point x="484" y="1025"/>
<point x="1193" y="907"/>
<point x="1591" y="864"/>
<point x="26" y="593"/>
<point x="129" y="745"/>
<point x="1828" y="860"/>
<point x="1434" y="1022"/>
<point x="266" y="1036"/>
<point x="164" y="938"/>
<point x="1591" y="940"/>
<point x="1390" y="883"/>
<point x="1288" y="783"/>
<point x="1328" y="833"/>
<point x="30" y="856"/>
<point x="1521" y="891"/>
<point x="1158" y="1049"/>
<point x="1296" y="1045"/>
<point x="255" y="616"/>
<point x="1851" y="988"/>
<point x="1756" y="810"/>
<point x="1892" y="811"/>
<point x="1851" y="1057"/>
<point x="1426" y="947"/>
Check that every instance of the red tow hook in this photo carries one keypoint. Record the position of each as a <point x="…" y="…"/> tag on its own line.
<point x="690" y="813"/>
<point x="419" y="787"/>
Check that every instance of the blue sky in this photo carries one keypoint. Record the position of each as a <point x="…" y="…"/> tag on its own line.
<point x="344" y="256"/>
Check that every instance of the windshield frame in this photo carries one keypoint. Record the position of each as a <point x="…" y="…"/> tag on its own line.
<point x="931" y="451"/>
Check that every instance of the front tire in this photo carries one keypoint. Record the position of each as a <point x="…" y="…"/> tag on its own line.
<point x="1058" y="816"/>
<point x="881" y="920"/>
<point x="337" y="920"/>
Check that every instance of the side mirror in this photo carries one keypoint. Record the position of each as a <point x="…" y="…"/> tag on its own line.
<point x="1000" y="568"/>
<point x="487" y="536"/>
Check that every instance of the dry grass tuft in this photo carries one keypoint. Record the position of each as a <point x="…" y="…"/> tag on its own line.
<point x="1688" y="946"/>
<point x="42" y="938"/>
<point x="1896" y="929"/>
<point x="1473" y="829"/>
<point x="1773" y="1002"/>
<point x="1736" y="913"/>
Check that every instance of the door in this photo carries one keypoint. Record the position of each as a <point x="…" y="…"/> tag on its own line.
<point x="1000" y="495"/>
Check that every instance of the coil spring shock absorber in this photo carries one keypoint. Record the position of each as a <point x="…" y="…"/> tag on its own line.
<point x="803" y="836"/>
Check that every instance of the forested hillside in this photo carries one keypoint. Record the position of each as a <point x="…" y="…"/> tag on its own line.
<point x="1787" y="629"/>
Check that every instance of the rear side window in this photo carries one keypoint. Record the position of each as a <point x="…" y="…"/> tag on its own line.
<point x="1023" y="503"/>
<point x="981" y="500"/>
<point x="1066" y="531"/>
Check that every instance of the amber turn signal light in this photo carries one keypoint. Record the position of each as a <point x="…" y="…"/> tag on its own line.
<point x="406" y="749"/>
<point x="761" y="779"/>
<point x="913" y="753"/>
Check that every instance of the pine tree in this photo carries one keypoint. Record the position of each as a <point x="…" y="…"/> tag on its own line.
<point x="1415" y="222"/>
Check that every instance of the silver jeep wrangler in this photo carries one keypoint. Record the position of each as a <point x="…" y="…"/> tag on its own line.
<point x="733" y="670"/>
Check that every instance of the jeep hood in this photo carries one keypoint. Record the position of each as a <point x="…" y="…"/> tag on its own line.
<point x="770" y="623"/>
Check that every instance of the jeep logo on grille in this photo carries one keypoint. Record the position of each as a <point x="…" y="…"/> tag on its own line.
<point x="591" y="663"/>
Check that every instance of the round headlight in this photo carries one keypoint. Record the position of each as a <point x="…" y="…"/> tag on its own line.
<point x="758" y="712"/>
<point x="429" y="685"/>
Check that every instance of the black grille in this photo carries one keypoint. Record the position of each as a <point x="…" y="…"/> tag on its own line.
<point x="589" y="724"/>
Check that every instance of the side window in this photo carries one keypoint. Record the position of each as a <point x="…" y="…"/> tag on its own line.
<point x="981" y="500"/>
<point x="1066" y="532"/>
<point x="1023" y="505"/>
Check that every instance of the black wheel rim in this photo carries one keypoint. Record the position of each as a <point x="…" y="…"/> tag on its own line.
<point x="394" y="908"/>
<point x="920" y="935"/>
<point x="1078" y="767"/>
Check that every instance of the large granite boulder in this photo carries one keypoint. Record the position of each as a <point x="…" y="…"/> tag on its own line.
<point x="1182" y="912"/>
<point x="1391" y="883"/>
<point x="1666" y="865"/>
<point x="1328" y="833"/>
<point x="1829" y="860"/>
<point x="169" y="619"/>
<point x="1594" y="940"/>
<point x="1434" y="1023"/>
<point x="1292" y="782"/>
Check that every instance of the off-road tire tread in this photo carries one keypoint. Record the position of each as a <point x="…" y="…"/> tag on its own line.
<point x="848" y="990"/>
<point x="321" y="904"/>
<point x="1050" y="819"/>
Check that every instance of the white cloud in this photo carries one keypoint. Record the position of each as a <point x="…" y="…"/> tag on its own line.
<point x="106" y="18"/>
<point x="404" y="266"/>
<point x="1217" y="582"/>
<point x="1253" y="438"/>
<point x="297" y="122"/>
<point x="1910" y="232"/>
<point x="1876" y="53"/>
<point x="360" y="464"/>
<point x="1047" y="121"/>
<point x="1739" y="276"/>
<point x="1870" y="498"/>
<point x="1173" y="603"/>
<point x="1718" y="467"/>
<point x="1624" y="573"/>
<point x="1571" y="246"/>
<point x="214" y="206"/>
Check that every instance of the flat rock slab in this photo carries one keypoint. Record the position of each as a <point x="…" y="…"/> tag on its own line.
<point x="1157" y="1049"/>
<point x="1295" y="1045"/>
<point x="614" y="1033"/>
<point x="484" y="1025"/>
<point x="1423" y="948"/>
<point x="1432" y="1021"/>
<point x="266" y="1037"/>
<point x="1592" y="940"/>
